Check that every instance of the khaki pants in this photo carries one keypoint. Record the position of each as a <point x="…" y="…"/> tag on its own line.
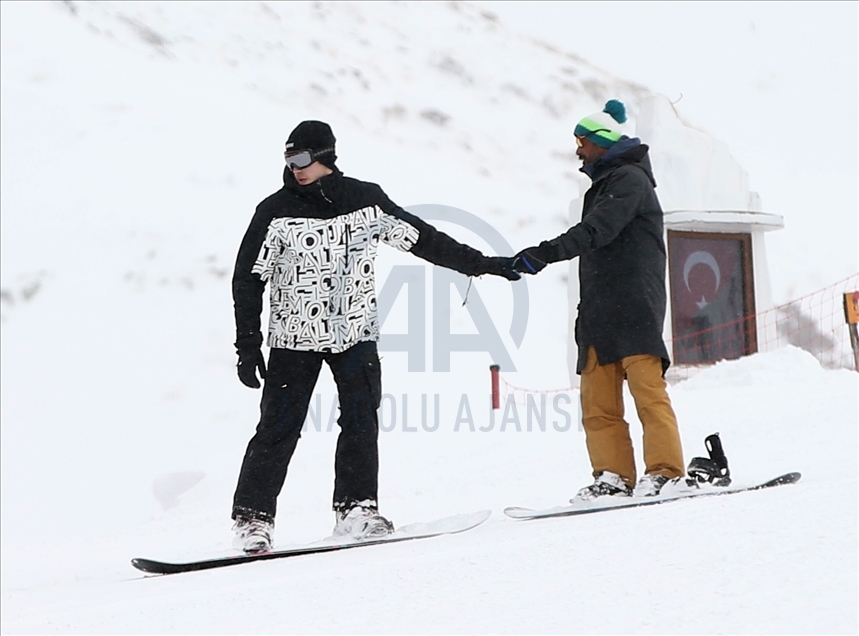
<point x="608" y="441"/>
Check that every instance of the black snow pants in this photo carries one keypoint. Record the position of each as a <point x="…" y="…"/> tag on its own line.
<point x="289" y="383"/>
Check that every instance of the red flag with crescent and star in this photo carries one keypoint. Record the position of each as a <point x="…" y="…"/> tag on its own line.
<point x="707" y="297"/>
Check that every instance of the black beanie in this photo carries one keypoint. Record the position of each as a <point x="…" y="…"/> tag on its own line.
<point x="315" y="136"/>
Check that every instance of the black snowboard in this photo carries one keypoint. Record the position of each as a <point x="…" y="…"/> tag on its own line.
<point x="621" y="503"/>
<point x="449" y="525"/>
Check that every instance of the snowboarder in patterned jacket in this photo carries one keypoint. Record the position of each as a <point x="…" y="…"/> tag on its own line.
<point x="314" y="242"/>
<point x="621" y="251"/>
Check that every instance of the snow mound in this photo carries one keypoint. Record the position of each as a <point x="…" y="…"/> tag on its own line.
<point x="787" y="365"/>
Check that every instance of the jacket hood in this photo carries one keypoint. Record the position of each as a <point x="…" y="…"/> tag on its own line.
<point x="629" y="150"/>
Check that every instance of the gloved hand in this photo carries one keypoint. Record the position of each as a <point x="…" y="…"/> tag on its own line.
<point x="500" y="266"/>
<point x="528" y="262"/>
<point x="250" y="361"/>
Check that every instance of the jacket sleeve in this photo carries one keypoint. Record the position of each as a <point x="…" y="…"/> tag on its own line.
<point x="412" y="234"/>
<point x="248" y="286"/>
<point x="613" y="209"/>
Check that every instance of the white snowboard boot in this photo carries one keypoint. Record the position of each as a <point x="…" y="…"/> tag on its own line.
<point x="607" y="484"/>
<point x="252" y="535"/>
<point x="651" y="485"/>
<point x="362" y="521"/>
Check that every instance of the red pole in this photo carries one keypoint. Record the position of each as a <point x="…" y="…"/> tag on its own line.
<point x="496" y="398"/>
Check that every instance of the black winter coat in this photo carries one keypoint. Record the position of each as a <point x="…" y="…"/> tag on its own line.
<point x="621" y="251"/>
<point x="315" y="247"/>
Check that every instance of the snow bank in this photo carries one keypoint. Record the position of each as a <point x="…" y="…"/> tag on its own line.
<point x="782" y="367"/>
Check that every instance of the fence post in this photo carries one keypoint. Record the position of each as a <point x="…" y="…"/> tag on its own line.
<point x="851" y="315"/>
<point x="496" y="398"/>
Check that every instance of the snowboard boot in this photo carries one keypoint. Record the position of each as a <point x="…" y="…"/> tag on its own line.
<point x="252" y="535"/>
<point x="607" y="484"/>
<point x="650" y="485"/>
<point x="713" y="470"/>
<point x="361" y="521"/>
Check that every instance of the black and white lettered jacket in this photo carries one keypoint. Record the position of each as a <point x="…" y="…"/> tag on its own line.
<point x="315" y="247"/>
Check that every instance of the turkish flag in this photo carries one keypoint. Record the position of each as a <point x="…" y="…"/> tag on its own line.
<point x="709" y="313"/>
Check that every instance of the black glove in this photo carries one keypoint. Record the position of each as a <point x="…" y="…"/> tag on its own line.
<point x="528" y="262"/>
<point x="250" y="361"/>
<point x="500" y="266"/>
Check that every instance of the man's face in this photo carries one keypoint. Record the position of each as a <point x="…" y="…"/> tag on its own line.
<point x="588" y="151"/>
<point x="310" y="174"/>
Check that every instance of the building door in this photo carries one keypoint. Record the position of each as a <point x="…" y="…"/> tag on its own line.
<point x="712" y="296"/>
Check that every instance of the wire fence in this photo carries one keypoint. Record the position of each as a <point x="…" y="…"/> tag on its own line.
<point x="815" y="323"/>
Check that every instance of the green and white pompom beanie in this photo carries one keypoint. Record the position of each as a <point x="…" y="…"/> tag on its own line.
<point x="603" y="128"/>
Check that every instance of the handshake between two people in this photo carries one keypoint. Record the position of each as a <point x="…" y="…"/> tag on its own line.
<point x="528" y="261"/>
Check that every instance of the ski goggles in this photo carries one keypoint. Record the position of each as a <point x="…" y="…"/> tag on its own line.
<point x="302" y="158"/>
<point x="580" y="138"/>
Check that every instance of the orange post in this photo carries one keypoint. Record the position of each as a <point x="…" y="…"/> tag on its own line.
<point x="851" y="315"/>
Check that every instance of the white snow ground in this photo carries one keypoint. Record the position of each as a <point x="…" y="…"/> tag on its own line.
<point x="136" y="140"/>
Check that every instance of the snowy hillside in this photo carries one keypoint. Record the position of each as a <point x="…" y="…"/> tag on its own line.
<point x="167" y="124"/>
<point x="137" y="139"/>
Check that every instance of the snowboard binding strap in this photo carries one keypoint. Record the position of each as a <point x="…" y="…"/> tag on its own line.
<point x="713" y="470"/>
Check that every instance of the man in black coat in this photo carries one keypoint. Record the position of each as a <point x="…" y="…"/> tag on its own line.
<point x="314" y="243"/>
<point x="621" y="251"/>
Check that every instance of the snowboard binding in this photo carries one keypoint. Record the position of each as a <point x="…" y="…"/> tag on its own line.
<point x="714" y="470"/>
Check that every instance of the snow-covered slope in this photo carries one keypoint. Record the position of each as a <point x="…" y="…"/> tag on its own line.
<point x="136" y="140"/>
